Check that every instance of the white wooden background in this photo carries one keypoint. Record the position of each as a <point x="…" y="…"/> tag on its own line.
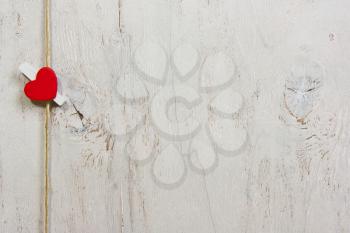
<point x="185" y="116"/>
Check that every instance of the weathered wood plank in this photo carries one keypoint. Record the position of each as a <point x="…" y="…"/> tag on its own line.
<point x="184" y="116"/>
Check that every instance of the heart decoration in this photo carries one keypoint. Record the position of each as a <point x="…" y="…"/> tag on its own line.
<point x="44" y="87"/>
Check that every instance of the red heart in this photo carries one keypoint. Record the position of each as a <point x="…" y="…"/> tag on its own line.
<point x="44" y="87"/>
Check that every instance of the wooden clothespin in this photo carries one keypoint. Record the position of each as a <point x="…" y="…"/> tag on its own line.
<point x="31" y="73"/>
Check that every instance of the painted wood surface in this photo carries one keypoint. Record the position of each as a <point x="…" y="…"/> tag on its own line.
<point x="189" y="116"/>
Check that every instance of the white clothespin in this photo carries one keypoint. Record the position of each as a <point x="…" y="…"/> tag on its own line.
<point x="30" y="72"/>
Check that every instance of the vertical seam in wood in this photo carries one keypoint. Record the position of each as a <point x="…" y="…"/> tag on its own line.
<point x="119" y="15"/>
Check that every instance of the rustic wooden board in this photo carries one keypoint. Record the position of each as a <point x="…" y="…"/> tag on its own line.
<point x="183" y="116"/>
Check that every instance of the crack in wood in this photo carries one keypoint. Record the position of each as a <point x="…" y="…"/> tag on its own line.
<point x="81" y="116"/>
<point x="120" y="16"/>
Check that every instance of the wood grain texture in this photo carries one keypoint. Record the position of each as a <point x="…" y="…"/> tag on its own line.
<point x="183" y="116"/>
